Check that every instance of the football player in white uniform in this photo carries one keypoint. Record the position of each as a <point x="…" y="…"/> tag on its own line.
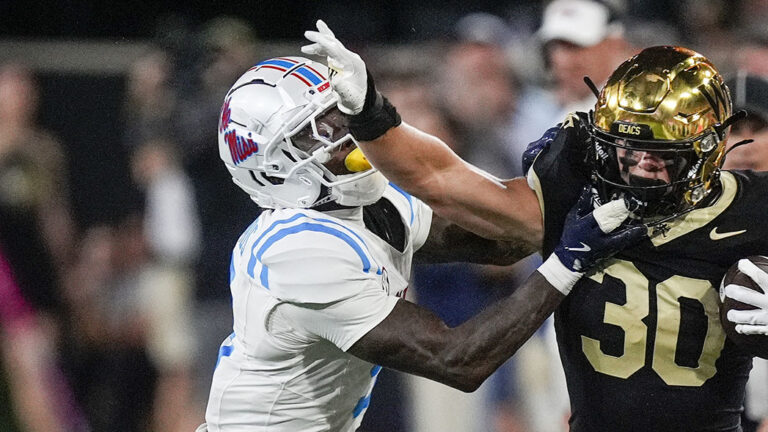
<point x="317" y="280"/>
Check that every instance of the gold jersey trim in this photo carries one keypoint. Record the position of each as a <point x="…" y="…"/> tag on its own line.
<point x="697" y="218"/>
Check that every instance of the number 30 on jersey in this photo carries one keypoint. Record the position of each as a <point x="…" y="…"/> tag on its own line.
<point x="629" y="317"/>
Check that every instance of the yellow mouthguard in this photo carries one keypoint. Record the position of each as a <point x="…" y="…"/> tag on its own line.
<point x="356" y="161"/>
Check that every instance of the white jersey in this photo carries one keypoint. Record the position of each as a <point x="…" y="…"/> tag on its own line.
<point x="305" y="287"/>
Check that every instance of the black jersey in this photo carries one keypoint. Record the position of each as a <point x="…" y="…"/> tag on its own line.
<point x="640" y="337"/>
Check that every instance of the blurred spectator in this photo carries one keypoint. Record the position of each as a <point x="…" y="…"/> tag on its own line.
<point x="33" y="176"/>
<point x="171" y="231"/>
<point x="36" y="240"/>
<point x="172" y="234"/>
<point x="40" y="399"/>
<point x="415" y="102"/>
<point x="751" y="53"/>
<point x="106" y="339"/>
<point x="227" y="50"/>
<point x="752" y="16"/>
<point x="477" y="91"/>
<point x="713" y="16"/>
<point x="580" y="38"/>
<point x="750" y="93"/>
<point x="150" y="99"/>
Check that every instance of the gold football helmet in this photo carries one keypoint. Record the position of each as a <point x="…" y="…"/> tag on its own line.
<point x="659" y="131"/>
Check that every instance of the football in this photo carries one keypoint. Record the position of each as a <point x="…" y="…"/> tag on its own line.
<point x="756" y="345"/>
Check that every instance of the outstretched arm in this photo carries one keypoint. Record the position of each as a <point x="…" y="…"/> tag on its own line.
<point x="421" y="163"/>
<point x="448" y="242"/>
<point x="414" y="340"/>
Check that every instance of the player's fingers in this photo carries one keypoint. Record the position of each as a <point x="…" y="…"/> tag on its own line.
<point x="626" y="237"/>
<point x="746" y="295"/>
<point x="750" y="269"/>
<point x="756" y="316"/>
<point x="313" y="49"/>
<point x="610" y="215"/>
<point x="751" y="329"/>
<point x="331" y="47"/>
<point x="323" y="28"/>
<point x="314" y="36"/>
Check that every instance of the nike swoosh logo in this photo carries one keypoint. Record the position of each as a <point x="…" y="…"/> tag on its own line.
<point x="714" y="235"/>
<point x="583" y="248"/>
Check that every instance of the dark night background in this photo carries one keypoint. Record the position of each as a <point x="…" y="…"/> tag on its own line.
<point x="385" y="21"/>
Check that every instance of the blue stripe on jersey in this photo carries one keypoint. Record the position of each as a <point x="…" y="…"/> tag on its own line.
<point x="353" y="233"/>
<point x="407" y="196"/>
<point x="246" y="234"/>
<point x="232" y="269"/>
<point x="225" y="350"/>
<point x="307" y="226"/>
<point x="375" y="370"/>
<point x="362" y="404"/>
<point x="263" y="276"/>
<point x="252" y="260"/>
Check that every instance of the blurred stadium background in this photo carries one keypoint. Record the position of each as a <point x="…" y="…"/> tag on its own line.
<point x="117" y="217"/>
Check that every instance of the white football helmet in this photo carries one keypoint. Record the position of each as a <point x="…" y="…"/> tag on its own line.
<point x="270" y="141"/>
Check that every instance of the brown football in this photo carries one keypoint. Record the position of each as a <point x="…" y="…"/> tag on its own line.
<point x="756" y="345"/>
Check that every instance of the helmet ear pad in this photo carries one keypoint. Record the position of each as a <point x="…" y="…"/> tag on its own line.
<point x="668" y="101"/>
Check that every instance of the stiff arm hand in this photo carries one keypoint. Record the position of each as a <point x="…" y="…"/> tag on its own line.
<point x="753" y="321"/>
<point x="348" y="75"/>
<point x="590" y="235"/>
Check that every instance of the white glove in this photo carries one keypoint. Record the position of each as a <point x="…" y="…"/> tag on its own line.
<point x="753" y="321"/>
<point x="348" y="76"/>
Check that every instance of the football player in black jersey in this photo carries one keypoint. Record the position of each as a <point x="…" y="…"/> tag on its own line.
<point x="640" y="338"/>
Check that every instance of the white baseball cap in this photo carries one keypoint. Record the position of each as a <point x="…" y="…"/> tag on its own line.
<point x="582" y="22"/>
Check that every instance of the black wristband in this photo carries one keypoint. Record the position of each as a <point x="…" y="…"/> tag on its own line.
<point x="377" y="117"/>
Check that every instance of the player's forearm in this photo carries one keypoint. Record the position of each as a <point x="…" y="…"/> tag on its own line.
<point x="414" y="160"/>
<point x="448" y="242"/>
<point x="416" y="341"/>
<point x="425" y="167"/>
<point x="483" y="343"/>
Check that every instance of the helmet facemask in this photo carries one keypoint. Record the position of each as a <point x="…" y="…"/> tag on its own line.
<point x="323" y="141"/>
<point x="662" y="178"/>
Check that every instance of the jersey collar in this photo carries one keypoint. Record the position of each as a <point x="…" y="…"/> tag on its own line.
<point x="697" y="218"/>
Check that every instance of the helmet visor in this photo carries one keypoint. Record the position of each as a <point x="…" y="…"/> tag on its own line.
<point x="644" y="164"/>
